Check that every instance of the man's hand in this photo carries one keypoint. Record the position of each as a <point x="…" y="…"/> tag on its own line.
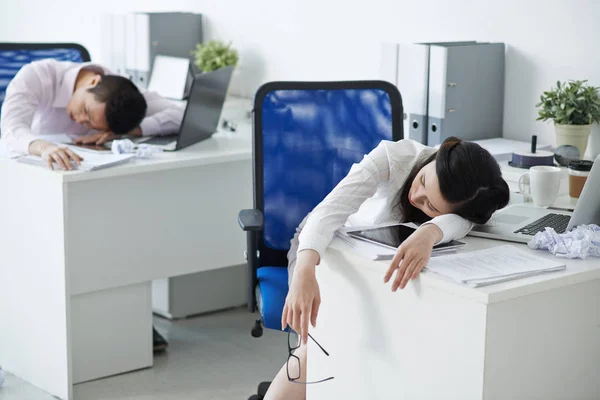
<point x="99" y="138"/>
<point x="52" y="153"/>
<point x="412" y="255"/>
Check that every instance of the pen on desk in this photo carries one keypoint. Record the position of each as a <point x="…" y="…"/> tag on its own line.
<point x="561" y="209"/>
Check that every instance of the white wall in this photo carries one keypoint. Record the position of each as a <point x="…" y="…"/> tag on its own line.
<point x="310" y="39"/>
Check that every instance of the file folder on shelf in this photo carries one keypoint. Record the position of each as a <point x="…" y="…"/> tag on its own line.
<point x="448" y="88"/>
<point x="134" y="40"/>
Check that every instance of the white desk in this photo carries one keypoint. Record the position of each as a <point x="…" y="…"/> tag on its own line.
<point x="533" y="338"/>
<point x="79" y="251"/>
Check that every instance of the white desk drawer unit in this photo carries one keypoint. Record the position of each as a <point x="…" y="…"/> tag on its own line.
<point x="532" y="338"/>
<point x="80" y="251"/>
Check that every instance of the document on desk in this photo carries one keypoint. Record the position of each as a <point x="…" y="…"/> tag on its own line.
<point x="91" y="161"/>
<point x="493" y="265"/>
<point x="6" y="153"/>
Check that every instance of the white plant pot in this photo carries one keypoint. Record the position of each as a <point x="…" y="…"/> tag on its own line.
<point x="594" y="143"/>
<point x="574" y="135"/>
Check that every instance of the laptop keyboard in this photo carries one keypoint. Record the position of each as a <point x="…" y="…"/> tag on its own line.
<point x="161" y="140"/>
<point x="557" y="221"/>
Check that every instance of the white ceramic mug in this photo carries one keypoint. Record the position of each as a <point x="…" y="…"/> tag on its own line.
<point x="544" y="182"/>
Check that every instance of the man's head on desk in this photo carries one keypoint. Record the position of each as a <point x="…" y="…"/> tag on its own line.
<point x="106" y="103"/>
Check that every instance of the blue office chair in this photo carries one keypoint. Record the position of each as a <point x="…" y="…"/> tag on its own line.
<point x="14" y="55"/>
<point x="307" y="135"/>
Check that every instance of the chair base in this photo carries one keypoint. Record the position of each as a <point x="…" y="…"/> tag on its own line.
<point x="261" y="392"/>
<point x="262" y="388"/>
<point x="257" y="329"/>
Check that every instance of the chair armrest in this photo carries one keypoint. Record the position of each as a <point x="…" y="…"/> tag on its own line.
<point x="251" y="220"/>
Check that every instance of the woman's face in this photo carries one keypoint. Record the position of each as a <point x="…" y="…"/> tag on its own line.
<point x="425" y="193"/>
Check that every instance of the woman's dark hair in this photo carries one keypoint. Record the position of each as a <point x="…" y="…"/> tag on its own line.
<point x="469" y="179"/>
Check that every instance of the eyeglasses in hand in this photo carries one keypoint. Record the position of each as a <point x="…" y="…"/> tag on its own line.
<point x="293" y="361"/>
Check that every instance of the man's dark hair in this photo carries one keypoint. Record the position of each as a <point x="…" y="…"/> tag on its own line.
<point x="125" y="105"/>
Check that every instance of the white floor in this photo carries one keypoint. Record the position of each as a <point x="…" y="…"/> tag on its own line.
<point x="209" y="357"/>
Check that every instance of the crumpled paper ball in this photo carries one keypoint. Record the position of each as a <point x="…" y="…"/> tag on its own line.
<point x="126" y="146"/>
<point x="581" y="242"/>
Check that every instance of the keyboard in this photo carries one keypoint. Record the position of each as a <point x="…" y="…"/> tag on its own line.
<point x="161" y="140"/>
<point x="557" y="221"/>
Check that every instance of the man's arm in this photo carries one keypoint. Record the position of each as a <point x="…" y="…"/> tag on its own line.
<point x="24" y="94"/>
<point x="163" y="116"/>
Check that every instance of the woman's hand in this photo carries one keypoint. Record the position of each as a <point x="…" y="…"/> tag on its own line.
<point x="304" y="298"/>
<point x="412" y="255"/>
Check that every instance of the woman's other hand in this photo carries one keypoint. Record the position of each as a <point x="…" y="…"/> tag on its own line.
<point x="412" y="255"/>
<point x="304" y="298"/>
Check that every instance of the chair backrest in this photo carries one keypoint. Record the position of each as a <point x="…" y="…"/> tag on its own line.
<point x="14" y="55"/>
<point x="307" y="135"/>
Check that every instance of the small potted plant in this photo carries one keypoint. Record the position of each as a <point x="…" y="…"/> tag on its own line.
<point x="214" y="55"/>
<point x="574" y="107"/>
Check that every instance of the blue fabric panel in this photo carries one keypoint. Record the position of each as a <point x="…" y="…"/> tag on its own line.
<point x="311" y="138"/>
<point x="11" y="62"/>
<point x="273" y="283"/>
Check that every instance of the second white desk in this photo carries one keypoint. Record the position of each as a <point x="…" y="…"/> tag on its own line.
<point x="79" y="252"/>
<point x="532" y="338"/>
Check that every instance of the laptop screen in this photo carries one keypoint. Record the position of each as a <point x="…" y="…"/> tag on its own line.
<point x="204" y="107"/>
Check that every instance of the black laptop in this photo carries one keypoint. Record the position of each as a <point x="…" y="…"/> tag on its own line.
<point x="202" y="112"/>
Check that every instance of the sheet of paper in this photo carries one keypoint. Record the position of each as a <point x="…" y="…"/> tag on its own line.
<point x="501" y="261"/>
<point x="5" y="153"/>
<point x="91" y="161"/>
<point x="490" y="281"/>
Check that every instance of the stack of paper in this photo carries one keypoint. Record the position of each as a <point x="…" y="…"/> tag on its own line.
<point x="494" y="265"/>
<point x="91" y="161"/>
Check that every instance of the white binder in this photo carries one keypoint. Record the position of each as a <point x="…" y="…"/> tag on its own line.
<point x="448" y="89"/>
<point x="413" y="81"/>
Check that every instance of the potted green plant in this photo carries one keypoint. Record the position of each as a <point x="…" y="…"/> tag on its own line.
<point x="214" y="55"/>
<point x="574" y="107"/>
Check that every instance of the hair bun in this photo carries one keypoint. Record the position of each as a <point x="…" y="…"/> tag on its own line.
<point x="489" y="199"/>
<point x="470" y="178"/>
<point x="450" y="143"/>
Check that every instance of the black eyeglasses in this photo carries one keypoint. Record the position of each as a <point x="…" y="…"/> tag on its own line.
<point x="293" y="372"/>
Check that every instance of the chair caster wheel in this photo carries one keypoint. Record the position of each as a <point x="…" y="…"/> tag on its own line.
<point x="257" y="329"/>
